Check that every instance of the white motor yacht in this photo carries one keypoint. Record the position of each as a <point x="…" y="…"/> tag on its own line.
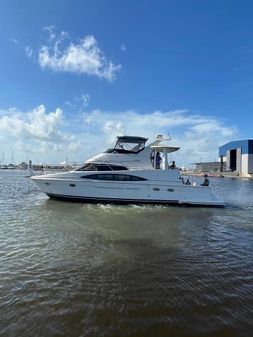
<point x="129" y="172"/>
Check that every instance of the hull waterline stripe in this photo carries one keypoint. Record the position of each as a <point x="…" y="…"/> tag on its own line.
<point x="129" y="201"/>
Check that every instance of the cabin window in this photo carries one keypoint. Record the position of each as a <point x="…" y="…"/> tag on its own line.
<point x="47" y="183"/>
<point x="118" y="168"/>
<point x="94" y="167"/>
<point x="101" y="167"/>
<point x="156" y="189"/>
<point x="170" y="190"/>
<point x="114" y="177"/>
<point x="72" y="185"/>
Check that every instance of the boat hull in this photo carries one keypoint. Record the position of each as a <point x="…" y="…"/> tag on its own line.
<point x="143" y="192"/>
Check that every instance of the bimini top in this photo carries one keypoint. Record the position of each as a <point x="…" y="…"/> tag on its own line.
<point x="131" y="138"/>
<point x="128" y="144"/>
<point x="166" y="147"/>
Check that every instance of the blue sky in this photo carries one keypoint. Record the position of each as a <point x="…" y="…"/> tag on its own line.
<point x="74" y="74"/>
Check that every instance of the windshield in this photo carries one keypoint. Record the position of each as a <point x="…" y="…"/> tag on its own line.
<point x="100" y="167"/>
<point x="131" y="146"/>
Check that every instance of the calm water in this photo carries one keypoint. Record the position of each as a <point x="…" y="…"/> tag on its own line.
<point x="69" y="269"/>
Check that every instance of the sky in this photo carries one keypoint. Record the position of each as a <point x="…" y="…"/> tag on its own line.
<point x="75" y="74"/>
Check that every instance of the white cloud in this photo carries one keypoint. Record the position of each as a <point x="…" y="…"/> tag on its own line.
<point x="36" y="124"/>
<point x="77" y="104"/>
<point x="123" y="47"/>
<point x="199" y="136"/>
<point x="51" y="31"/>
<point x="43" y="134"/>
<point x="75" y="146"/>
<point x="83" y="57"/>
<point x="35" y="132"/>
<point x="21" y="146"/>
<point x="28" y="51"/>
<point x="112" y="129"/>
<point x="85" y="99"/>
<point x="15" y="41"/>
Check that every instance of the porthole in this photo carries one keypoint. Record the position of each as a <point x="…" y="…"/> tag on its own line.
<point x="156" y="189"/>
<point x="47" y="183"/>
<point x="72" y="185"/>
<point x="170" y="190"/>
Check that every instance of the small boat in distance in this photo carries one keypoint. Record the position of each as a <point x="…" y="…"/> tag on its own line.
<point x="129" y="172"/>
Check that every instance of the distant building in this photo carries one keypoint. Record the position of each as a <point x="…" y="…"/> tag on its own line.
<point x="23" y="165"/>
<point x="238" y="156"/>
<point x="208" y="166"/>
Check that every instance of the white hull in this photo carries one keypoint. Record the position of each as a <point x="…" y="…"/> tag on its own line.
<point x="163" y="191"/>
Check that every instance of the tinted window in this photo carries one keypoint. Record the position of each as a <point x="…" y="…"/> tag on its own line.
<point x="99" y="176"/>
<point x="105" y="176"/>
<point x="88" y="167"/>
<point x="134" y="178"/>
<point x="118" y="167"/>
<point x="101" y="167"/>
<point x="116" y="177"/>
<point x="121" y="177"/>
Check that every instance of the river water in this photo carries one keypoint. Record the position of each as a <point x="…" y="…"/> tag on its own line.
<point x="73" y="269"/>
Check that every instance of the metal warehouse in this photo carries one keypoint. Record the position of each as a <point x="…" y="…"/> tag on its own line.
<point x="238" y="156"/>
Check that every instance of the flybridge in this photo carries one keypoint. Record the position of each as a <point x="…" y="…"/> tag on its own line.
<point x="160" y="145"/>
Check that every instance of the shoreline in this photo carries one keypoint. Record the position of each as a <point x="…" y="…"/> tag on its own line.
<point x="216" y="175"/>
